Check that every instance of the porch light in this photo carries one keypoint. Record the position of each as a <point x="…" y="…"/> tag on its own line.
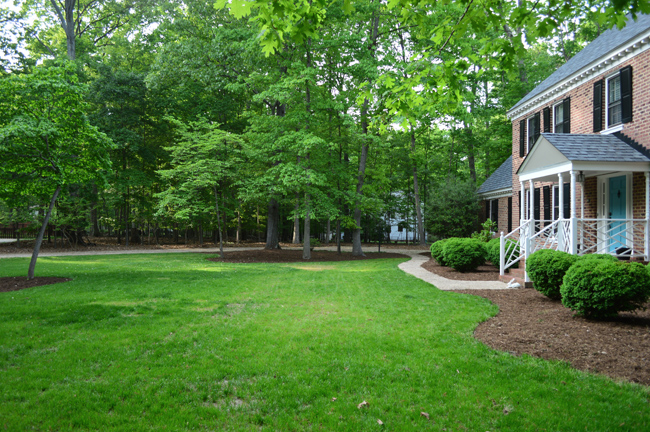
<point x="581" y="177"/>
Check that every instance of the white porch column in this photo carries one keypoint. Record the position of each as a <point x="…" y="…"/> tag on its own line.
<point x="647" y="218"/>
<point x="573" y="249"/>
<point x="560" y="212"/>
<point x="522" y="204"/>
<point x="531" y="216"/>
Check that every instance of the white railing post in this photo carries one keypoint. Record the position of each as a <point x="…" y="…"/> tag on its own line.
<point x="526" y="254"/>
<point x="531" y="202"/>
<point x="646" y="239"/>
<point x="574" y="227"/>
<point x="502" y="255"/>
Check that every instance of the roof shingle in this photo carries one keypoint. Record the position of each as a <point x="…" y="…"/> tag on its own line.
<point x="594" y="148"/>
<point x="500" y="179"/>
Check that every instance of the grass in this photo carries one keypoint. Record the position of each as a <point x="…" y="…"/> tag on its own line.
<point x="175" y="342"/>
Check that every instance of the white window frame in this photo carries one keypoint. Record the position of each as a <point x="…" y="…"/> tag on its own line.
<point x="553" y="114"/>
<point x="607" y="80"/>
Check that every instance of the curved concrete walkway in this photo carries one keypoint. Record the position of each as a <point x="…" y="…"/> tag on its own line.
<point x="412" y="267"/>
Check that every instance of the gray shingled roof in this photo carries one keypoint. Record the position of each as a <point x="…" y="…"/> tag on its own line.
<point x="594" y="148"/>
<point x="600" y="47"/>
<point x="500" y="179"/>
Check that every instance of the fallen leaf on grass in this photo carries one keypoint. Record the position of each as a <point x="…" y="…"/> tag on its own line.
<point x="380" y="423"/>
<point x="363" y="404"/>
<point x="425" y="415"/>
<point x="333" y="399"/>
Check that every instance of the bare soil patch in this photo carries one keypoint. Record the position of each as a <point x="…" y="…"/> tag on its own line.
<point x="289" y="256"/>
<point x="486" y="272"/>
<point x="16" y="283"/>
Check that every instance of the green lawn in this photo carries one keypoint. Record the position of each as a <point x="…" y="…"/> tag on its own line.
<point x="175" y="342"/>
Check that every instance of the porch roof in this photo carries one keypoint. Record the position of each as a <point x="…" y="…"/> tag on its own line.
<point x="556" y="153"/>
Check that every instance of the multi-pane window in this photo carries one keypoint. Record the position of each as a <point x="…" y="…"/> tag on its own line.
<point x="533" y="130"/>
<point x="558" y="117"/>
<point x="614" y="113"/>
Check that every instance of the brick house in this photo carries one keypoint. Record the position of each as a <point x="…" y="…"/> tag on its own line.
<point x="580" y="164"/>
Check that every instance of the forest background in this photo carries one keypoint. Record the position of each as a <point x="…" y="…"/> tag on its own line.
<point x="268" y="121"/>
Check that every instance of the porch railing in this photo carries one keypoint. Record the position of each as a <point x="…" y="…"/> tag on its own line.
<point x="618" y="237"/>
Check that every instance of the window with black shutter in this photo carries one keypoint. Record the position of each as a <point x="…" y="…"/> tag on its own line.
<point x="494" y="211"/>
<point x="566" y="103"/>
<point x="536" y="204"/>
<point x="509" y="214"/>
<point x="533" y="130"/>
<point x="547" y="202"/>
<point x="598" y="106"/>
<point x="547" y="119"/>
<point x="626" y="94"/>
<point x="567" y="200"/>
<point x="522" y="138"/>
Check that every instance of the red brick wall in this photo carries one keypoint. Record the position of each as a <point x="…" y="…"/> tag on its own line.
<point x="582" y="123"/>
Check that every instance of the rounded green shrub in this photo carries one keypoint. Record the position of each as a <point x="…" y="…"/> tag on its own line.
<point x="546" y="268"/>
<point x="601" y="288"/>
<point x="464" y="254"/>
<point x="605" y="257"/>
<point x="436" y="252"/>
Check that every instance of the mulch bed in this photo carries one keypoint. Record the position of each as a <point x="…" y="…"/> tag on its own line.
<point x="486" y="272"/>
<point x="290" y="256"/>
<point x="18" y="283"/>
<point x="529" y="323"/>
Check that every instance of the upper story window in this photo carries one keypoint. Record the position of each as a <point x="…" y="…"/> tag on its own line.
<point x="617" y="103"/>
<point x="558" y="117"/>
<point x="533" y="130"/>
<point x="614" y="115"/>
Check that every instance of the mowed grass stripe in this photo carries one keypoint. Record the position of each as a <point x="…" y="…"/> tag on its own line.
<point x="175" y="342"/>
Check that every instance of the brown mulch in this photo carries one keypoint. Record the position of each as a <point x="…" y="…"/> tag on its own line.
<point x="532" y="324"/>
<point x="529" y="323"/>
<point x="486" y="272"/>
<point x="16" y="283"/>
<point x="289" y="256"/>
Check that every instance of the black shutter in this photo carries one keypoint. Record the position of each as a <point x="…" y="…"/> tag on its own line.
<point x="567" y="200"/>
<point x="547" y="119"/>
<point x="547" y="203"/>
<point x="509" y="214"/>
<point x="626" y="94"/>
<point x="522" y="138"/>
<point x="598" y="106"/>
<point x="566" y="112"/>
<point x="537" y="128"/>
<point x="537" y="206"/>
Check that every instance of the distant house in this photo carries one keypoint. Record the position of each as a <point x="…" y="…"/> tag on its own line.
<point x="580" y="165"/>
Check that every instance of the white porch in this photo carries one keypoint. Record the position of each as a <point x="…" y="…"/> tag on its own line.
<point x="611" y="226"/>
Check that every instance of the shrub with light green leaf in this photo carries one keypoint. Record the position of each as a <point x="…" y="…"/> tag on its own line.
<point x="436" y="252"/>
<point x="464" y="254"/>
<point x="601" y="257"/>
<point x="600" y="288"/>
<point x="546" y="268"/>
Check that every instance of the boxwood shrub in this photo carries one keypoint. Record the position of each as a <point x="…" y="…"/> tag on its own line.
<point x="436" y="251"/>
<point x="546" y="268"/>
<point x="600" y="288"/>
<point x="605" y="257"/>
<point x="464" y="254"/>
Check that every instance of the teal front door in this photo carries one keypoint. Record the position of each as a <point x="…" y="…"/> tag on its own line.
<point x="617" y="210"/>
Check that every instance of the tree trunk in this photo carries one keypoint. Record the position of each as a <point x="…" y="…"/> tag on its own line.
<point x="273" y="225"/>
<point x="41" y="233"/>
<point x="296" y="221"/>
<point x="216" y="204"/>
<point x="416" y="192"/>
<point x="239" y="223"/>
<point x="306" y="247"/>
<point x="328" y="232"/>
